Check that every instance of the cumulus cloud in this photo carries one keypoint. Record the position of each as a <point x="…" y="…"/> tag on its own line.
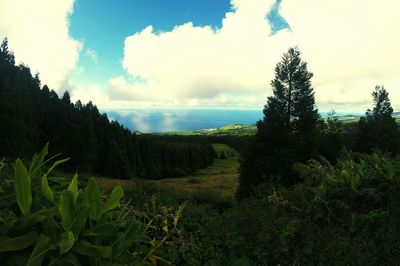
<point x="349" y="45"/>
<point x="38" y="34"/>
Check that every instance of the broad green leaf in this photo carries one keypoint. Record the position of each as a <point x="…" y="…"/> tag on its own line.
<point x="37" y="161"/>
<point x="23" y="191"/>
<point x="113" y="201"/>
<point x="80" y="220"/>
<point x="34" y="218"/>
<point x="66" y="208"/>
<point x="42" y="246"/>
<point x="55" y="164"/>
<point x="87" y="249"/>
<point x="103" y="229"/>
<point x="18" y="243"/>
<point x="66" y="242"/>
<point x="46" y="190"/>
<point x="73" y="187"/>
<point x="92" y="198"/>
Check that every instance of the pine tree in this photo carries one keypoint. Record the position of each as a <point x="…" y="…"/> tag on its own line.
<point x="289" y="130"/>
<point x="378" y="129"/>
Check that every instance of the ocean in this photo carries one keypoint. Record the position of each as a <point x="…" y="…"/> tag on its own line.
<point x="167" y="120"/>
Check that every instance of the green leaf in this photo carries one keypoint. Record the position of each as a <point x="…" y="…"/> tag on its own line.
<point x="103" y="229"/>
<point x="18" y="243"/>
<point x="87" y="249"/>
<point x="67" y="242"/>
<point x="66" y="208"/>
<point x="73" y="187"/>
<point x="37" y="161"/>
<point x="23" y="191"/>
<point x="80" y="220"/>
<point x="39" y="251"/>
<point x="55" y="164"/>
<point x="46" y="190"/>
<point x="92" y="198"/>
<point x="113" y="201"/>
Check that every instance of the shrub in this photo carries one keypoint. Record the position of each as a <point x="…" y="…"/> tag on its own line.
<point x="44" y="221"/>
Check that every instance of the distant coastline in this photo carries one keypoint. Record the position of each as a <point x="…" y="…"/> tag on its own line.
<point x="192" y="119"/>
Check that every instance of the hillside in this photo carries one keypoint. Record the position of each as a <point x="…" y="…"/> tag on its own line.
<point x="230" y="130"/>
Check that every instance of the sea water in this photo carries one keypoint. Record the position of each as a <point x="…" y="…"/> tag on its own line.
<point x="169" y="120"/>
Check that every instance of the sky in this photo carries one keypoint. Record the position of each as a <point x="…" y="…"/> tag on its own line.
<point x="127" y="54"/>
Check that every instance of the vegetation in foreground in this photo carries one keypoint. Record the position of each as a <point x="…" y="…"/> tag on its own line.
<point x="46" y="221"/>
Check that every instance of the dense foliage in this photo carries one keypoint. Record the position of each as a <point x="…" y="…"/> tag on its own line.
<point x="45" y="220"/>
<point x="345" y="213"/>
<point x="31" y="116"/>
<point x="378" y="129"/>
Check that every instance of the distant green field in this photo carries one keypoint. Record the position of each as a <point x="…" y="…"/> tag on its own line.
<point x="232" y="130"/>
<point x="249" y="130"/>
<point x="220" y="179"/>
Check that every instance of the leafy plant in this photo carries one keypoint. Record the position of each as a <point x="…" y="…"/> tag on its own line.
<point x="45" y="223"/>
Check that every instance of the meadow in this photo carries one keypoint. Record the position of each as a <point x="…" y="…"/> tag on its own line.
<point x="218" y="181"/>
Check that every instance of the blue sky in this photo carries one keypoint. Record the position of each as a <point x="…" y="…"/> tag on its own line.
<point x="103" y="26"/>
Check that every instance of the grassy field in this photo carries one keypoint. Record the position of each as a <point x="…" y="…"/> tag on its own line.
<point x="229" y="130"/>
<point x="219" y="180"/>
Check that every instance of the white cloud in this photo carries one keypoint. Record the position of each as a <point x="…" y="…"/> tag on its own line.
<point x="92" y="54"/>
<point x="92" y="93"/>
<point x="38" y="34"/>
<point x="349" y="45"/>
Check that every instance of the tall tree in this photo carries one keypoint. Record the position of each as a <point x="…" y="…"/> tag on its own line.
<point x="289" y="129"/>
<point x="378" y="129"/>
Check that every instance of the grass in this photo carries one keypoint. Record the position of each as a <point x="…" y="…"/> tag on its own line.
<point x="218" y="181"/>
<point x="229" y="130"/>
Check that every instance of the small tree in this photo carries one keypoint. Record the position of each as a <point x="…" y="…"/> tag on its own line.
<point x="333" y="140"/>
<point x="378" y="129"/>
<point x="289" y="129"/>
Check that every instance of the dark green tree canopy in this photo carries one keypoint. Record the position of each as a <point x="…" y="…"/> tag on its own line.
<point x="382" y="106"/>
<point x="289" y="131"/>
<point x="378" y="129"/>
<point x="5" y="53"/>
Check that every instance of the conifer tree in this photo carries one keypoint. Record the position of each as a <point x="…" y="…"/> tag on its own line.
<point x="289" y="130"/>
<point x="378" y="129"/>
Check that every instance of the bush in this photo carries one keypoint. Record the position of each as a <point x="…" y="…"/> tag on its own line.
<point x="342" y="214"/>
<point x="45" y="221"/>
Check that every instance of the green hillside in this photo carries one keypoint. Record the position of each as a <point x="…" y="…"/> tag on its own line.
<point x="232" y="130"/>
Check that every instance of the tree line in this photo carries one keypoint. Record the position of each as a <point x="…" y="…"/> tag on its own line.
<point x="31" y="115"/>
<point x="292" y="131"/>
